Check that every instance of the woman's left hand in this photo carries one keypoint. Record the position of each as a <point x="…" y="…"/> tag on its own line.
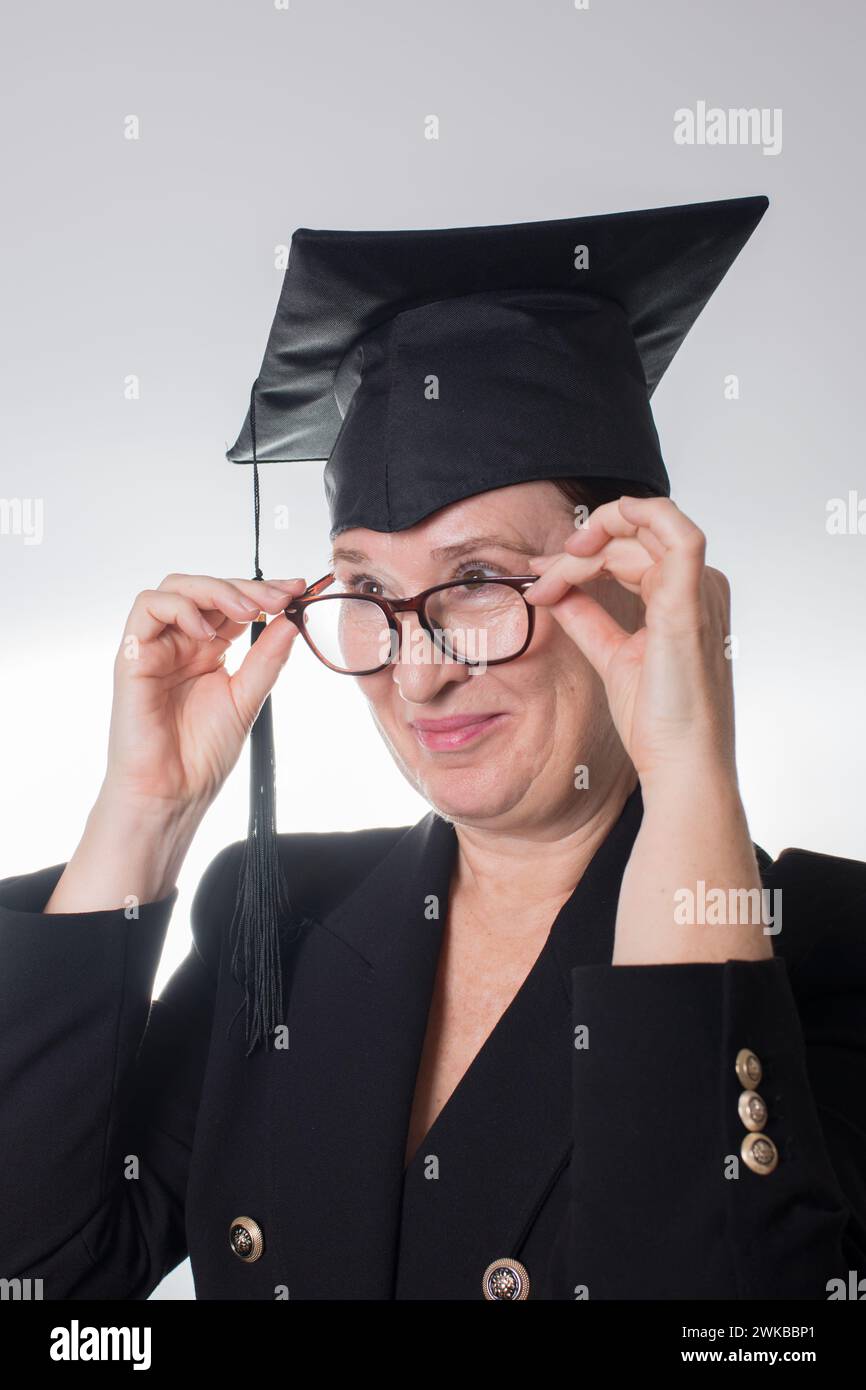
<point x="668" y="684"/>
<point x="670" y="691"/>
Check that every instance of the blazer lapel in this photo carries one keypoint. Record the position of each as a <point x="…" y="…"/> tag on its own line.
<point x="341" y="1093"/>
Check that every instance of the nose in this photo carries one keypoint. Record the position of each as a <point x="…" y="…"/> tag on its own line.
<point x="421" y="670"/>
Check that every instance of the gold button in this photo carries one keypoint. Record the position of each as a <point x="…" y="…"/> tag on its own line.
<point x="749" y="1069"/>
<point x="505" y="1281"/>
<point x="246" y="1239"/>
<point x="752" y="1109"/>
<point x="759" y="1153"/>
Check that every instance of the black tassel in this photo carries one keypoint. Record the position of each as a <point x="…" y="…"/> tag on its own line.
<point x="263" y="907"/>
<point x="262" y="904"/>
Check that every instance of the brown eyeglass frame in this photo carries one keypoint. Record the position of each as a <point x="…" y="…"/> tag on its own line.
<point x="391" y="607"/>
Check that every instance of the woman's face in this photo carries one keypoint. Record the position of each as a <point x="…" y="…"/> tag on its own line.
<point x="521" y="727"/>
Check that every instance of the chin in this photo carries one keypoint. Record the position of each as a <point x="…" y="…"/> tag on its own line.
<point x="470" y="794"/>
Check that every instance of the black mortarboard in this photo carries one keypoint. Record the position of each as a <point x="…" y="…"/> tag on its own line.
<point x="426" y="366"/>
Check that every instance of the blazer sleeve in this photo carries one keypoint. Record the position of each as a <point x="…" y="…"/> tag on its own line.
<point x="661" y="1203"/>
<point x="99" y="1089"/>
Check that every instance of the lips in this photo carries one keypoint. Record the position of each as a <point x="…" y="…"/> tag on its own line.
<point x="455" y="731"/>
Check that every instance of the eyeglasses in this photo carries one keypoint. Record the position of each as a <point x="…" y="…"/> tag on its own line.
<point x="476" y="622"/>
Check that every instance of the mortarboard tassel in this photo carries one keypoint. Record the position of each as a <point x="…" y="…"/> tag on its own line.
<point x="262" y="905"/>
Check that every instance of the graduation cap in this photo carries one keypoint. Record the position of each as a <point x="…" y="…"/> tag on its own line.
<point x="427" y="366"/>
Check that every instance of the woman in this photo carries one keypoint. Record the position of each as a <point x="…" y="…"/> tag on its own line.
<point x="599" y="1168"/>
<point x="519" y="1058"/>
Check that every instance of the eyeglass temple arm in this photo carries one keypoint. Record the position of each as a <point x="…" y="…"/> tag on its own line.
<point x="311" y="591"/>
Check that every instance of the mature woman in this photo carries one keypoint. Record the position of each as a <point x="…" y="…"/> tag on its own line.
<point x="551" y="1042"/>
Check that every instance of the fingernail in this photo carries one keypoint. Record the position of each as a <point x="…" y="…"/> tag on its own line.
<point x="286" y="584"/>
<point x="248" y="605"/>
<point x="209" y="632"/>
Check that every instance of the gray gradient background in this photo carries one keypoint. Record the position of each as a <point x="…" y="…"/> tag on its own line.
<point x="156" y="257"/>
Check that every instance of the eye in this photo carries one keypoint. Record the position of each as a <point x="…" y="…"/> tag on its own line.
<point x="360" y="582"/>
<point x="478" y="569"/>
<point x="363" y="584"/>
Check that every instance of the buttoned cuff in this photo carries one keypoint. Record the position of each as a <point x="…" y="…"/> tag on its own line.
<point x="699" y="1156"/>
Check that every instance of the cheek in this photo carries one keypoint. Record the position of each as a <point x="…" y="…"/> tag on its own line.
<point x="377" y="691"/>
<point x="559" y="685"/>
<point x="553" y="660"/>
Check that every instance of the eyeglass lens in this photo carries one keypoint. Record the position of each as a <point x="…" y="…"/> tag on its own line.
<point x="472" y="622"/>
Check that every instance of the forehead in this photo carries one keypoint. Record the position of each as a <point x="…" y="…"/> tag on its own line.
<point x="518" y="517"/>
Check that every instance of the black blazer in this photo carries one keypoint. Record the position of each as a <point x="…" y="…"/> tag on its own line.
<point x="134" y="1134"/>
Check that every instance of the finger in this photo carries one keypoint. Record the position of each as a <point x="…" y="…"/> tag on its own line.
<point x="588" y="543"/>
<point x="154" y="611"/>
<point x="227" y="628"/>
<point x="606" y="522"/>
<point x="624" y="560"/>
<point x="674" y="587"/>
<point x="663" y="518"/>
<point x="257" y="674"/>
<point x="677" y="588"/>
<point x="241" y="599"/>
<point x="282" y="591"/>
<point x="539" y="563"/>
<point x="591" y="627"/>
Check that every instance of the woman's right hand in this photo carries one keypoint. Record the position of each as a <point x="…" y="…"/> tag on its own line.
<point x="178" y="719"/>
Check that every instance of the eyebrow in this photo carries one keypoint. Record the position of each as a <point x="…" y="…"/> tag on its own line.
<point x="444" y="552"/>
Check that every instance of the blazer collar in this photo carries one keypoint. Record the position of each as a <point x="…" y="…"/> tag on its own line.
<point x="340" y="1118"/>
<point x="412" y="882"/>
<point x="394" y="916"/>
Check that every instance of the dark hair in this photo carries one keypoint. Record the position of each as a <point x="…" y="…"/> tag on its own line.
<point x="593" y="492"/>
